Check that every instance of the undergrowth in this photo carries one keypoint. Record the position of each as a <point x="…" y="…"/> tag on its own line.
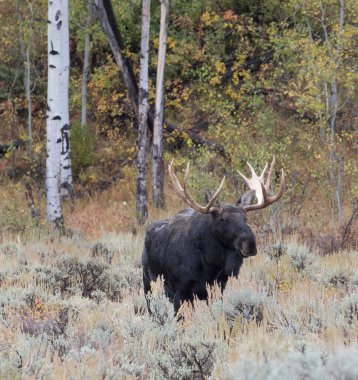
<point x="74" y="308"/>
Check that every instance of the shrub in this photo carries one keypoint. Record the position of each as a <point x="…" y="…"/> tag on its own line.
<point x="99" y="249"/>
<point x="301" y="256"/>
<point x="82" y="147"/>
<point x="188" y="358"/>
<point x="161" y="309"/>
<point x="90" y="277"/>
<point x="245" y="303"/>
<point x="9" y="248"/>
<point x="336" y="278"/>
<point x="304" y="316"/>
<point x="347" y="310"/>
<point x="276" y="251"/>
<point x="311" y="364"/>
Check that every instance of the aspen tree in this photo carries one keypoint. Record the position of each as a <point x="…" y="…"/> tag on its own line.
<point x="142" y="197"/>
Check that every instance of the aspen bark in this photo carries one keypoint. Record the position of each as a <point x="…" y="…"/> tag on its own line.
<point x="142" y="193"/>
<point x="55" y="111"/>
<point x="157" y="149"/>
<point x="66" y="165"/>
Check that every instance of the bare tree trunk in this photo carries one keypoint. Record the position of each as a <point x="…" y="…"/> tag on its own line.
<point x="28" y="97"/>
<point x="25" y="53"/>
<point x="336" y="164"/>
<point x="322" y="126"/>
<point x="340" y="162"/>
<point x="339" y="188"/>
<point x="85" y="74"/>
<point x="157" y="151"/>
<point x="55" y="109"/>
<point x="142" y="193"/>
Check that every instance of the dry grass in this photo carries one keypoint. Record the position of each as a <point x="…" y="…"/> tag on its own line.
<point x="73" y="307"/>
<point x="99" y="327"/>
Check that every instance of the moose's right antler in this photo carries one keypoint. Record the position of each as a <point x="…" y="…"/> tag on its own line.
<point x="186" y="196"/>
<point x="262" y="188"/>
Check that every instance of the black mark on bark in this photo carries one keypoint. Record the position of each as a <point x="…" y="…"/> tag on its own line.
<point x="65" y="133"/>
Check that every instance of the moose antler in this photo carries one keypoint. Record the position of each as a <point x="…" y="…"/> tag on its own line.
<point x="262" y="188"/>
<point x="186" y="196"/>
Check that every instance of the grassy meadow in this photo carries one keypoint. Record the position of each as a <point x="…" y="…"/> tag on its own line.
<point x="72" y="307"/>
<point x="244" y="81"/>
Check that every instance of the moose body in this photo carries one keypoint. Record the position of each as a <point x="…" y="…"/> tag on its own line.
<point x="193" y="250"/>
<point x="201" y="245"/>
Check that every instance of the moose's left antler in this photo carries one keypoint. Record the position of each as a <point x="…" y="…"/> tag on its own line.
<point x="262" y="188"/>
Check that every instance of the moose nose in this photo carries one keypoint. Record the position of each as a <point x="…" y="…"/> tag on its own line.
<point x="247" y="246"/>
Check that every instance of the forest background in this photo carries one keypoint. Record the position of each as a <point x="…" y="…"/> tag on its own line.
<point x="245" y="80"/>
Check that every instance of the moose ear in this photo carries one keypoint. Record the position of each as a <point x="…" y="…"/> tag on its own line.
<point x="216" y="211"/>
<point x="247" y="199"/>
<point x="208" y="195"/>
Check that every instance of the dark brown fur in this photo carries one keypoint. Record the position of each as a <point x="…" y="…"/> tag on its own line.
<point x="192" y="250"/>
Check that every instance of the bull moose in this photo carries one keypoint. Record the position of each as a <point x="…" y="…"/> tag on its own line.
<point x="204" y="244"/>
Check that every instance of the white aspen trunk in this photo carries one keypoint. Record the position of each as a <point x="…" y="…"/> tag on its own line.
<point x="157" y="151"/>
<point x="66" y="166"/>
<point x="85" y="73"/>
<point x="142" y="194"/>
<point x="55" y="109"/>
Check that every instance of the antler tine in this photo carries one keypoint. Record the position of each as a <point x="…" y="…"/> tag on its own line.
<point x="175" y="181"/>
<point x="184" y="193"/>
<point x="253" y="173"/>
<point x="269" y="176"/>
<point x="262" y="176"/>
<point x="281" y="190"/>
<point x="262" y="188"/>
<point x="247" y="181"/>
<point x="215" y="196"/>
<point x="187" y="170"/>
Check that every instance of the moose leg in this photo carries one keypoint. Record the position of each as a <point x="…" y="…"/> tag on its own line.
<point x="185" y="293"/>
<point x="177" y="300"/>
<point x="168" y="292"/>
<point x="146" y="285"/>
<point x="222" y="281"/>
